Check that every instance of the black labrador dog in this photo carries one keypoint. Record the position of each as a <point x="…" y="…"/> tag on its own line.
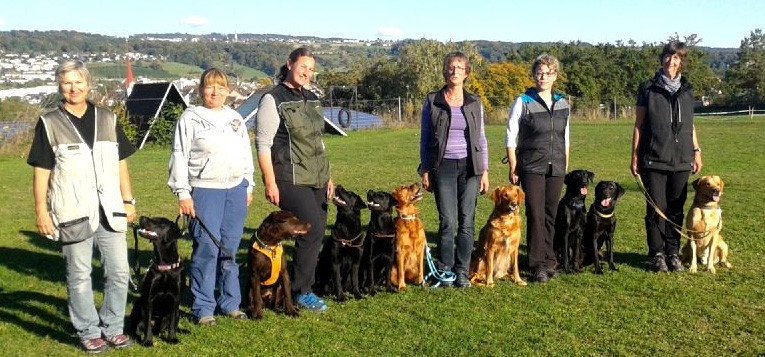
<point x="340" y="257"/>
<point x="601" y="224"/>
<point x="269" y="283"/>
<point x="380" y="244"/>
<point x="570" y="220"/>
<point x="157" y="308"/>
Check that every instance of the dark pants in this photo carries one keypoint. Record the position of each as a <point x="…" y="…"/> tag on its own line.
<point x="669" y="191"/>
<point x="456" y="191"/>
<point x="310" y="205"/>
<point x="542" y="196"/>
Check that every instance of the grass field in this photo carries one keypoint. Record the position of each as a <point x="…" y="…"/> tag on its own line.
<point x="630" y="312"/>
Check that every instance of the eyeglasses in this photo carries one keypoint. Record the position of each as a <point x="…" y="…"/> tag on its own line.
<point x="548" y="74"/>
<point x="215" y="88"/>
<point x="456" y="69"/>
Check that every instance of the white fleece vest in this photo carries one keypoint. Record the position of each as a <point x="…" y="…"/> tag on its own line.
<point x="82" y="179"/>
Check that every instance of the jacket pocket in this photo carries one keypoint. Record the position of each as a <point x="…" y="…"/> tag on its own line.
<point x="74" y="231"/>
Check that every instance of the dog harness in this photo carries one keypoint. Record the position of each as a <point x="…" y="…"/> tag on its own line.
<point x="274" y="253"/>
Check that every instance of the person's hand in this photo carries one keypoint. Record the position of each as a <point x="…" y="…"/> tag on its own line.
<point x="426" y="181"/>
<point x="330" y="189"/>
<point x="45" y="224"/>
<point x="512" y="176"/>
<point x="186" y="207"/>
<point x="634" y="165"/>
<point x="272" y="193"/>
<point x="130" y="211"/>
<point x="697" y="164"/>
<point x="484" y="182"/>
<point x="249" y="198"/>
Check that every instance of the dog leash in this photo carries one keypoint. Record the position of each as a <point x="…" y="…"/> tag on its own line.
<point x="443" y="276"/>
<point x="226" y="254"/>
<point x="136" y="263"/>
<point x="679" y="229"/>
<point x="349" y="242"/>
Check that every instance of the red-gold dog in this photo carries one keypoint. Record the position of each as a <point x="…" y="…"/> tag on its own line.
<point x="704" y="222"/>
<point x="410" y="237"/>
<point x="497" y="253"/>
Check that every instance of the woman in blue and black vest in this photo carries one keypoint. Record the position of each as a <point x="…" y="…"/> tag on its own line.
<point x="289" y="138"/>
<point x="537" y="151"/>
<point x="454" y="164"/>
<point x="665" y="151"/>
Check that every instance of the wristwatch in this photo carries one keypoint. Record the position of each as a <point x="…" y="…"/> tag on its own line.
<point x="129" y="202"/>
<point x="698" y="149"/>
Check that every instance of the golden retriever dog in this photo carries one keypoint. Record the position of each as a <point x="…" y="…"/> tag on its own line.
<point x="497" y="253"/>
<point x="410" y="237"/>
<point x="703" y="224"/>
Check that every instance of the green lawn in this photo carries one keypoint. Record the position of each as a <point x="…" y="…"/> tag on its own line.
<point x="630" y="312"/>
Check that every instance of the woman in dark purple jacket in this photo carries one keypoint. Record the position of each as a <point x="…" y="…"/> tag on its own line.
<point x="454" y="164"/>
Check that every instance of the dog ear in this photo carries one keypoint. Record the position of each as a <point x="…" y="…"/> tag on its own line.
<point x="722" y="184"/>
<point x="521" y="195"/>
<point x="494" y="193"/>
<point x="696" y="183"/>
<point x="360" y="204"/>
<point x="619" y="190"/>
<point x="590" y="176"/>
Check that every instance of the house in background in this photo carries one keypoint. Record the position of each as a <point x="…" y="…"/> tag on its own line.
<point x="147" y="100"/>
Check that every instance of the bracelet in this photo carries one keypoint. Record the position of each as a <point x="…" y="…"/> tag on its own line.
<point x="697" y="149"/>
<point x="129" y="202"/>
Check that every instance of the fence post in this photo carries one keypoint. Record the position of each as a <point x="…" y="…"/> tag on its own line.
<point x="614" y="108"/>
<point x="399" y="109"/>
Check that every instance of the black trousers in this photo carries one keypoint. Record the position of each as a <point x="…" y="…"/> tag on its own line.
<point x="310" y="205"/>
<point x="669" y="191"/>
<point x="542" y="196"/>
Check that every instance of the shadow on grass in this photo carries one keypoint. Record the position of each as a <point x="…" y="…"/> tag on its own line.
<point x="635" y="260"/>
<point x="41" y="265"/>
<point x="15" y="306"/>
<point x="41" y="242"/>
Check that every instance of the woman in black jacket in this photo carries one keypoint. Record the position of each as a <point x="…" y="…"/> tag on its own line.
<point x="665" y="151"/>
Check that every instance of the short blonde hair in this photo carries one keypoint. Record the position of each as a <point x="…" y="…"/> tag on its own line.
<point x="544" y="59"/>
<point x="212" y="76"/>
<point x="73" y="66"/>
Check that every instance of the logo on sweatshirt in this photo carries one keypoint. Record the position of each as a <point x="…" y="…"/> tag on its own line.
<point x="235" y="124"/>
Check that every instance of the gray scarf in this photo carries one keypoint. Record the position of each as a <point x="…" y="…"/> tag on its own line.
<point x="671" y="85"/>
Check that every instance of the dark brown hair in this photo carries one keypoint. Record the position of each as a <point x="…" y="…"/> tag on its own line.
<point x="455" y="56"/>
<point x="293" y="57"/>
<point x="674" y="47"/>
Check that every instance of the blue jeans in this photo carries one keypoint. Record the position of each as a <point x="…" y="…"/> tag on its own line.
<point x="110" y="320"/>
<point x="456" y="191"/>
<point x="223" y="212"/>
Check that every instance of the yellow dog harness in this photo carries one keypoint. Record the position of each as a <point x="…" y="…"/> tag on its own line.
<point x="274" y="253"/>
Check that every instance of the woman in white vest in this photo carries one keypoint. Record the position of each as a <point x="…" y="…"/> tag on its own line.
<point x="84" y="200"/>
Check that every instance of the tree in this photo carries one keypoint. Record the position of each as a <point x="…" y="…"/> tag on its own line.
<point x="502" y="82"/>
<point x="745" y="79"/>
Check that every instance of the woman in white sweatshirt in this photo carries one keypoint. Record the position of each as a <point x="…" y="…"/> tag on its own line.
<point x="211" y="172"/>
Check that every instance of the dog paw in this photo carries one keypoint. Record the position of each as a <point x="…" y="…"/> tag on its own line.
<point x="148" y="343"/>
<point x="490" y="284"/>
<point x="712" y="270"/>
<point x="520" y="282"/>
<point x="173" y="341"/>
<point x="599" y="271"/>
<point x="693" y="269"/>
<point x="726" y="264"/>
<point x="293" y="313"/>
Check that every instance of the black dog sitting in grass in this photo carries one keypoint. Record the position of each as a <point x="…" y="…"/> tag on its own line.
<point x="157" y="308"/>
<point x="570" y="221"/>
<point x="340" y="258"/>
<point x="379" y="245"/>
<point x="601" y="224"/>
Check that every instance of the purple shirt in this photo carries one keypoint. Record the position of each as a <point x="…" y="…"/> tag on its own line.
<point x="456" y="143"/>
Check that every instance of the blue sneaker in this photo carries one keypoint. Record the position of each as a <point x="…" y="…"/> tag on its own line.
<point x="310" y="302"/>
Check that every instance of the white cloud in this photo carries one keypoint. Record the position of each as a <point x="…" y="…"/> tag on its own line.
<point x="195" y="21"/>
<point x="384" y="31"/>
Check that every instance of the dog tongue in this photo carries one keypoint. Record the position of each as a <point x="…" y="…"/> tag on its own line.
<point x="716" y="198"/>
<point x="583" y="190"/>
<point x="606" y="202"/>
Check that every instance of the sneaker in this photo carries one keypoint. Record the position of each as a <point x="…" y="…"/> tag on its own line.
<point x="659" y="263"/>
<point x="673" y="261"/>
<point x="120" y="341"/>
<point x="206" y="321"/>
<point x="310" y="302"/>
<point x="94" y="345"/>
<point x="462" y="281"/>
<point x="237" y="315"/>
<point x="540" y="276"/>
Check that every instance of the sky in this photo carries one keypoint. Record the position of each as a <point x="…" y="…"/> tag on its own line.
<point x="719" y="23"/>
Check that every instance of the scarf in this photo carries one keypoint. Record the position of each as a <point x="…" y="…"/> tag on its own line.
<point x="671" y="85"/>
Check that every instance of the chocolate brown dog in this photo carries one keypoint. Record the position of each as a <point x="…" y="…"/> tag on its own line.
<point x="269" y="283"/>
